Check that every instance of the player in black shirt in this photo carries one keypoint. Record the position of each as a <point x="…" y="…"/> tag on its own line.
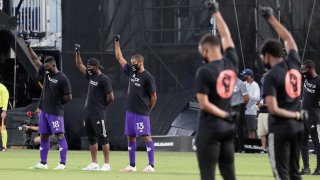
<point x="214" y="86"/>
<point x="311" y="102"/>
<point x="141" y="98"/>
<point x="282" y="90"/>
<point x="99" y="96"/>
<point x="55" y="93"/>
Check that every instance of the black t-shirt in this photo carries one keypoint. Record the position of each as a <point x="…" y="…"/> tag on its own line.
<point x="55" y="87"/>
<point x="141" y="85"/>
<point x="311" y="98"/>
<point x="217" y="79"/>
<point x="284" y="82"/>
<point x="98" y="87"/>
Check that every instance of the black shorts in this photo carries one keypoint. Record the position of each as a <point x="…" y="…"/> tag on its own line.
<point x="251" y="121"/>
<point x="95" y="125"/>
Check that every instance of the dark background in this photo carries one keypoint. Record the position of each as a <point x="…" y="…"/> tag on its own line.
<point x="166" y="32"/>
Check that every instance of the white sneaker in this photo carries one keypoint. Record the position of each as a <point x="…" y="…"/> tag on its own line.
<point x="106" y="167"/>
<point x="148" y="169"/>
<point x="60" y="167"/>
<point x="39" y="166"/>
<point x="129" y="169"/>
<point x="92" y="167"/>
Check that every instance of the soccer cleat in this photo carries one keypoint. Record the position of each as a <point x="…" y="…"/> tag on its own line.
<point x="92" y="167"/>
<point x="60" y="167"/>
<point x="4" y="150"/>
<point x="39" y="166"/>
<point x="305" y="171"/>
<point x="129" y="169"/>
<point x="106" y="167"/>
<point x="148" y="169"/>
<point x="316" y="171"/>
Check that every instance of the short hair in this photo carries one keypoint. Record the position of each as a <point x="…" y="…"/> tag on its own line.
<point x="272" y="47"/>
<point x="210" y="39"/>
<point x="49" y="59"/>
<point x="138" y="57"/>
<point x="309" y="64"/>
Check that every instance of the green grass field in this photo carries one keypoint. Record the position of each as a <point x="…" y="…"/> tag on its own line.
<point x="14" y="165"/>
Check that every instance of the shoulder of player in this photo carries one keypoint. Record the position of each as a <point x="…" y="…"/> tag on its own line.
<point x="62" y="76"/>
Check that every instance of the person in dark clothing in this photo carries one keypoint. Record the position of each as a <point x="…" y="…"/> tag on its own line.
<point x="281" y="91"/>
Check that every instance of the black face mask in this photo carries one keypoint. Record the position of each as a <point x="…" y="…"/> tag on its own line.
<point x="266" y="66"/>
<point x="49" y="71"/>
<point x="205" y="60"/>
<point x="90" y="71"/>
<point x="136" y="67"/>
<point x="306" y="75"/>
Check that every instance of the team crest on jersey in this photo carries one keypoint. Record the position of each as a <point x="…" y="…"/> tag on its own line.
<point x="225" y="83"/>
<point x="293" y="83"/>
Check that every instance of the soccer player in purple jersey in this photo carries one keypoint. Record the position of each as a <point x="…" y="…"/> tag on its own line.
<point x="140" y="101"/>
<point x="56" y="92"/>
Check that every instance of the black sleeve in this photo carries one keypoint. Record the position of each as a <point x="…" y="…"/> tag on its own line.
<point x="202" y="83"/>
<point x="231" y="55"/>
<point x="106" y="84"/>
<point x="41" y="70"/>
<point x="269" y="86"/>
<point x="127" y="69"/>
<point x="65" y="86"/>
<point x="151" y="88"/>
<point x="293" y="57"/>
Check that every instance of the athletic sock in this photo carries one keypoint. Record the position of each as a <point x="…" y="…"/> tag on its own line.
<point x="44" y="150"/>
<point x="150" y="150"/>
<point x="4" y="138"/>
<point x="63" y="148"/>
<point x="132" y="153"/>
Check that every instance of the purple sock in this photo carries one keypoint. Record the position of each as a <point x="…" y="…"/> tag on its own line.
<point x="132" y="153"/>
<point x="63" y="148"/>
<point x="150" y="150"/>
<point x="44" y="149"/>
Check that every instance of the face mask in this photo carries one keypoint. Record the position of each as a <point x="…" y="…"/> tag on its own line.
<point x="90" y="71"/>
<point x="306" y="75"/>
<point x="136" y="67"/>
<point x="204" y="60"/>
<point x="266" y="66"/>
<point x="49" y="71"/>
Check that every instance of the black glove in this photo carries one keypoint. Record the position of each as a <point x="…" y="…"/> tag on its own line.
<point x="77" y="47"/>
<point x="266" y="12"/>
<point x="232" y="117"/>
<point x="212" y="6"/>
<point x="27" y="43"/>
<point x="303" y="115"/>
<point x="116" y="37"/>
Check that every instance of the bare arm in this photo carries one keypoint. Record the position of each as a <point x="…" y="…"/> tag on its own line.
<point x="109" y="98"/>
<point x="223" y="29"/>
<point x="284" y="34"/>
<point x="275" y="110"/>
<point x="79" y="63"/>
<point x="34" y="57"/>
<point x="67" y="98"/>
<point x="246" y="99"/>
<point x="119" y="55"/>
<point x="207" y="106"/>
<point x="153" y="99"/>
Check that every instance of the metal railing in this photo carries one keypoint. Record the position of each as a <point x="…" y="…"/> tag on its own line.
<point x="32" y="16"/>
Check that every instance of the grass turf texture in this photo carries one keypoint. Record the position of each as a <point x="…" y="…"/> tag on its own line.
<point x="14" y="165"/>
